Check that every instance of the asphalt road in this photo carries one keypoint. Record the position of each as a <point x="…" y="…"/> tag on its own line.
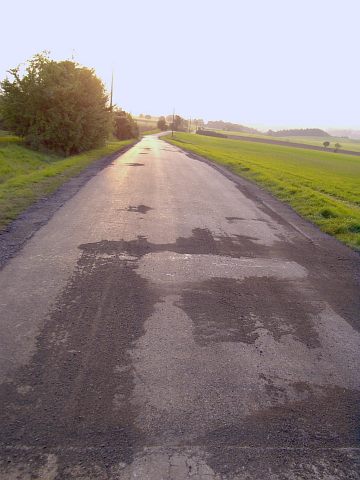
<point x="170" y="323"/>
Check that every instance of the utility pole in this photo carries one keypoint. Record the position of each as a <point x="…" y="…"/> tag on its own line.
<point x="111" y="92"/>
<point x="172" y="126"/>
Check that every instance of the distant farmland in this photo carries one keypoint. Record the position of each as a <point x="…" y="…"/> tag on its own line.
<point x="322" y="187"/>
<point x="346" y="143"/>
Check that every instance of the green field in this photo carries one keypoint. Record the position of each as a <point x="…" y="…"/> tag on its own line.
<point x="346" y="143"/>
<point x="26" y="176"/>
<point x="321" y="187"/>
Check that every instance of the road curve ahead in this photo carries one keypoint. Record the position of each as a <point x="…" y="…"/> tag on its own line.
<point x="170" y="323"/>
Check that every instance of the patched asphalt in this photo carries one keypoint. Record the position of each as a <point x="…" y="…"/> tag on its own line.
<point x="176" y="322"/>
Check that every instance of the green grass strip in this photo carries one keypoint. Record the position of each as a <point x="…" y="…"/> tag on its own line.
<point x="26" y="175"/>
<point x="321" y="186"/>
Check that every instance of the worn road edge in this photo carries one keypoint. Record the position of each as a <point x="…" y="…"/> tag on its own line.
<point x="277" y="209"/>
<point x="19" y="231"/>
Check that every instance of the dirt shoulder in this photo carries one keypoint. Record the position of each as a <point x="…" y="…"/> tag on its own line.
<point x="14" y="235"/>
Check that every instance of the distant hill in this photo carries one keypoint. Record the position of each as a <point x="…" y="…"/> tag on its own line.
<point x="299" y="132"/>
<point x="346" y="133"/>
<point x="230" y="127"/>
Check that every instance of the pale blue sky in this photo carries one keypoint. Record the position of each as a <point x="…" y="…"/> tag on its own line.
<point x="267" y="63"/>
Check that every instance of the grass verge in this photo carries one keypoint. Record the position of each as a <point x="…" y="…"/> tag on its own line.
<point x="150" y="132"/>
<point x="7" y="137"/>
<point x="323" y="188"/>
<point x="26" y="175"/>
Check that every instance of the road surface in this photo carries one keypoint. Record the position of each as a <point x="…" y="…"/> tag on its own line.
<point x="171" y="323"/>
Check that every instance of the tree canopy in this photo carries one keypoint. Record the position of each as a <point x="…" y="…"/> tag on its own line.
<point x="125" y="126"/>
<point x="230" y="127"/>
<point x="57" y="106"/>
<point x="299" y="132"/>
<point x="161" y="123"/>
<point x="179" y="124"/>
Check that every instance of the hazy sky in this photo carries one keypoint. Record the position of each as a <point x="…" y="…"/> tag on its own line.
<point x="268" y="63"/>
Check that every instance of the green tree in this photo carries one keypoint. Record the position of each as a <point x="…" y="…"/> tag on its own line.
<point x="337" y="146"/>
<point x="326" y="144"/>
<point x="179" y="124"/>
<point x="2" y="125"/>
<point x="161" y="124"/>
<point x="125" y="126"/>
<point x="57" y="106"/>
<point x="199" y="123"/>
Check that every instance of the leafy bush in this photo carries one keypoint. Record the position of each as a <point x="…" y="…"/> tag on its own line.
<point x="327" y="213"/>
<point x="125" y="126"/>
<point x="56" y="106"/>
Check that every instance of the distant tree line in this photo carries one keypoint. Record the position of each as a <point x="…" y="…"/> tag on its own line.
<point x="230" y="127"/>
<point x="345" y="133"/>
<point x="176" y="123"/>
<point x="210" y="133"/>
<point x="60" y="107"/>
<point x="300" y="132"/>
<point x="179" y="124"/>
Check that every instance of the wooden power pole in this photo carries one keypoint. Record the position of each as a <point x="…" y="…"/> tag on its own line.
<point x="172" y="126"/>
<point x="112" y="90"/>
